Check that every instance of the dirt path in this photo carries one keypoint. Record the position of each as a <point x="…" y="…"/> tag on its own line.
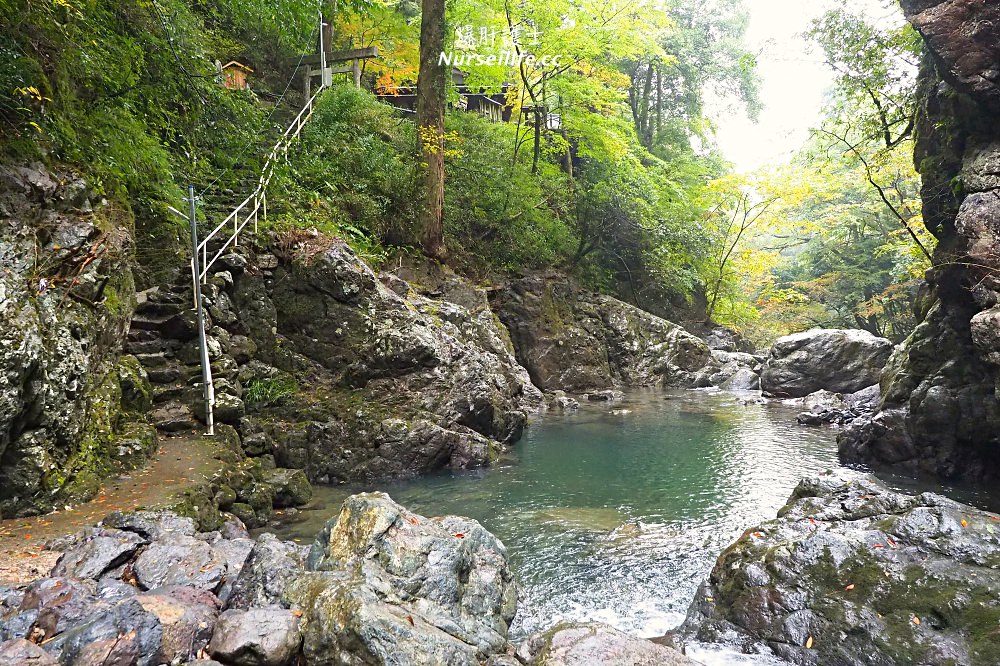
<point x="181" y="462"/>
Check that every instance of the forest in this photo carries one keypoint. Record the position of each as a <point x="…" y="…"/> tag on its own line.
<point x="606" y="166"/>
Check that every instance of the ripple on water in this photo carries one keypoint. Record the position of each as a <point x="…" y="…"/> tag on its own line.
<point x="617" y="517"/>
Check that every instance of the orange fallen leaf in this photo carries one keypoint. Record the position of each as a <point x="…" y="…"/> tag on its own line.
<point x="809" y="643"/>
<point x="850" y="587"/>
<point x="412" y="520"/>
<point x="297" y="613"/>
<point x="965" y="523"/>
<point x="757" y="534"/>
<point x="994" y="518"/>
<point x="27" y="536"/>
<point x="878" y="545"/>
<point x="458" y="535"/>
<point x="916" y="620"/>
<point x="812" y="521"/>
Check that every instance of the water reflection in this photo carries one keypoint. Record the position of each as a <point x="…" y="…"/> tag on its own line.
<point x="617" y="512"/>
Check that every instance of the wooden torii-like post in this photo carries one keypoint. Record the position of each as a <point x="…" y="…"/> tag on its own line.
<point x="314" y="65"/>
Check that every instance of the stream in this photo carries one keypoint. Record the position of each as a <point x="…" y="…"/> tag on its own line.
<point x="617" y="511"/>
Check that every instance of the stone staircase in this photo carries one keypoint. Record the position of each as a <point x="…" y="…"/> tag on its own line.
<point x="164" y="338"/>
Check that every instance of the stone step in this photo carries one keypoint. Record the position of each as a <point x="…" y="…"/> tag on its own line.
<point x="157" y="344"/>
<point x="168" y="374"/>
<point x="174" y="416"/>
<point x="158" y="309"/>
<point x="168" y="392"/>
<point x="142" y="335"/>
<point x="148" y="322"/>
<point x="155" y="359"/>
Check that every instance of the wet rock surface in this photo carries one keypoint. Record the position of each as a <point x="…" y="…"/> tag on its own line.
<point x="395" y="587"/>
<point x="577" y="341"/>
<point x="65" y="301"/>
<point x="828" y="408"/>
<point x="380" y="585"/>
<point x="853" y="573"/>
<point x="592" y="643"/>
<point x="838" y="360"/>
<point x="939" y="414"/>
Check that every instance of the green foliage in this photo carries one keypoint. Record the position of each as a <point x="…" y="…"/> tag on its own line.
<point x="127" y="91"/>
<point x="270" y="391"/>
<point x="496" y="212"/>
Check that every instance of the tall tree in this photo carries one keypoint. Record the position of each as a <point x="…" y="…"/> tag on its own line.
<point x="430" y="120"/>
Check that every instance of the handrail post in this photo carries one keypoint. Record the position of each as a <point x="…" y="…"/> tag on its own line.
<point x="208" y="389"/>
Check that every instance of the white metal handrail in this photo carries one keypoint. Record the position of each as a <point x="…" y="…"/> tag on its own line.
<point x="256" y="203"/>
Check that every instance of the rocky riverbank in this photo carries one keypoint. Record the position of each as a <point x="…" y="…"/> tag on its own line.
<point x="851" y="572"/>
<point x="380" y="585"/>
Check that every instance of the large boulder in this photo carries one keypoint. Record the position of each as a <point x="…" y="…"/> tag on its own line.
<point x="574" y="340"/>
<point x="593" y="643"/>
<point x="853" y="573"/>
<point x="838" y="360"/>
<point x="387" y="586"/>
<point x="393" y="380"/>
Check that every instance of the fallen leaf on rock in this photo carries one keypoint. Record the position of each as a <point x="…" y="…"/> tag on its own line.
<point x="965" y="523"/>
<point x="297" y="613"/>
<point x="809" y="643"/>
<point x="916" y="620"/>
<point x="850" y="587"/>
<point x="878" y="545"/>
<point x="458" y="535"/>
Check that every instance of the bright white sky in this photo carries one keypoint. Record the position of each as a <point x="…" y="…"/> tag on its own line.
<point x="794" y="81"/>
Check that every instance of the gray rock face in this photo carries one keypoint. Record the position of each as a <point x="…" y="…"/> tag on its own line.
<point x="827" y="408"/>
<point x="395" y="384"/>
<point x="577" y="341"/>
<point x="258" y="637"/>
<point x="20" y="652"/>
<point x="380" y="585"/>
<point x="593" y="643"/>
<point x="60" y="397"/>
<point x="268" y="569"/>
<point x="853" y="573"/>
<point x="940" y="413"/>
<point x="842" y="361"/>
<point x="100" y="551"/>
<point x="389" y="586"/>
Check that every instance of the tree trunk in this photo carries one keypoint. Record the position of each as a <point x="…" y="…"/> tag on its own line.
<point x="644" y="133"/>
<point x="430" y="121"/>
<point x="659" y="100"/>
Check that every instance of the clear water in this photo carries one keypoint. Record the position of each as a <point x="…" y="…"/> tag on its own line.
<point x="617" y="511"/>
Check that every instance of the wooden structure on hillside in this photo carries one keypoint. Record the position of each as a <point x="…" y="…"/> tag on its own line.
<point x="491" y="106"/>
<point x="352" y="60"/>
<point x="234" y="75"/>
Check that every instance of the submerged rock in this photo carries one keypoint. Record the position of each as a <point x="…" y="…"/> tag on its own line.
<point x="853" y="573"/>
<point x="589" y="644"/>
<point x="842" y="361"/>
